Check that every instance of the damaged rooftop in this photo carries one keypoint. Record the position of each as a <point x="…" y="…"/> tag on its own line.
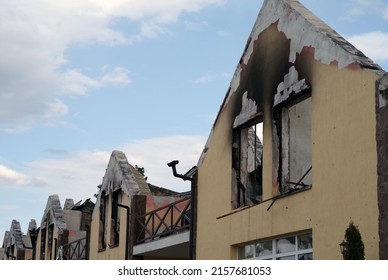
<point x="63" y="139"/>
<point x="298" y="37"/>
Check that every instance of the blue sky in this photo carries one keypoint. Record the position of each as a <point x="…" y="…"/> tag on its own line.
<point x="80" y="78"/>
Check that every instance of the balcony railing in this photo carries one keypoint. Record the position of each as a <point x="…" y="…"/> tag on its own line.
<point x="75" y="250"/>
<point x="170" y="219"/>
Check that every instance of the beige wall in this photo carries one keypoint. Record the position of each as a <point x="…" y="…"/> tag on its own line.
<point x="115" y="253"/>
<point x="52" y="255"/>
<point x="344" y="173"/>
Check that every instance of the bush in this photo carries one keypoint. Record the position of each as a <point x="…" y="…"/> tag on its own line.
<point x="353" y="247"/>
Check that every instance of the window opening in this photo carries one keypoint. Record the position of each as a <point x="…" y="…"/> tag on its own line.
<point x="247" y="156"/>
<point x="47" y="234"/>
<point x="50" y="240"/>
<point x="102" y="222"/>
<point x="295" y="157"/>
<point x="115" y="220"/>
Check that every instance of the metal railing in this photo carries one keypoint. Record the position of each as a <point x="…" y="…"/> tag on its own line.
<point x="164" y="221"/>
<point x="75" y="250"/>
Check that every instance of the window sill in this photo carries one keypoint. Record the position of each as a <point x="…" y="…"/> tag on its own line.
<point x="273" y="199"/>
<point x="287" y="193"/>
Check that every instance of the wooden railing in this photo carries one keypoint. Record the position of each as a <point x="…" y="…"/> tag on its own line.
<point x="170" y="219"/>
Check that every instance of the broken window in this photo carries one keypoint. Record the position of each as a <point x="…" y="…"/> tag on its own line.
<point x="247" y="151"/>
<point x="294" y="247"/>
<point x="50" y="240"/>
<point x="43" y="243"/>
<point x="115" y="220"/>
<point x="102" y="222"/>
<point x="294" y="130"/>
<point x="292" y="133"/>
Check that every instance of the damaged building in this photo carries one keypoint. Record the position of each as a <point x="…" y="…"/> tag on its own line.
<point x="299" y="147"/>
<point x="64" y="232"/>
<point x="298" y="151"/>
<point x="133" y="219"/>
<point x="16" y="244"/>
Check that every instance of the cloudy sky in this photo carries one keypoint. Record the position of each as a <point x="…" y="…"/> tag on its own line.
<point x="80" y="78"/>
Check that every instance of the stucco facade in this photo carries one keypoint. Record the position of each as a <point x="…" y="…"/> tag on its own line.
<point x="62" y="229"/>
<point x="314" y="94"/>
<point x="109" y="225"/>
<point x="124" y="191"/>
<point x="16" y="245"/>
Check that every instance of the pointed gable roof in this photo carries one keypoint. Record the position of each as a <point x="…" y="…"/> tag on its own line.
<point x="304" y="30"/>
<point x="16" y="235"/>
<point x="121" y="175"/>
<point x="283" y="30"/>
<point x="54" y="213"/>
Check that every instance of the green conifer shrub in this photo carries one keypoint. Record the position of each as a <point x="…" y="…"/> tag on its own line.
<point x="353" y="246"/>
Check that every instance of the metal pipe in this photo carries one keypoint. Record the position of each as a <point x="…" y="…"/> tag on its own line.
<point x="87" y="249"/>
<point x="173" y="164"/>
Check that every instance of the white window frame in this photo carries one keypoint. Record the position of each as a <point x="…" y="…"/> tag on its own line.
<point x="274" y="255"/>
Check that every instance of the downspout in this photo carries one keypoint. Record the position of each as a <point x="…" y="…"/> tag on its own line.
<point x="87" y="250"/>
<point x="34" y="236"/>
<point x="193" y="181"/>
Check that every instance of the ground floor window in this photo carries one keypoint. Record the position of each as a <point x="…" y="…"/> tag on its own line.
<point x="293" y="247"/>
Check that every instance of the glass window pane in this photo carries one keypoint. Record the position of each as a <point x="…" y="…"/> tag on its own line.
<point x="286" y="258"/>
<point x="285" y="245"/>
<point x="305" y="241"/>
<point x="264" y="248"/>
<point x="308" y="256"/>
<point x="246" y="252"/>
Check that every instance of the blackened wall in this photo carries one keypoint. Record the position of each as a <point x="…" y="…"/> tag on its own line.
<point x="382" y="161"/>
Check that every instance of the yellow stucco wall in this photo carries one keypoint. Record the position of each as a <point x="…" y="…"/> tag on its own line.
<point x="344" y="174"/>
<point x="114" y="253"/>
<point x="47" y="256"/>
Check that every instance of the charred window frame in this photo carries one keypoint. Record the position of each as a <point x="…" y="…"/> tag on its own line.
<point x="50" y="240"/>
<point x="293" y="127"/>
<point x="102" y="222"/>
<point x="247" y="150"/>
<point x="115" y="220"/>
<point x="43" y="243"/>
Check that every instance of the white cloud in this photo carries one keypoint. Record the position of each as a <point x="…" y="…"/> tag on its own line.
<point x="74" y="176"/>
<point x="35" y="36"/>
<point x="210" y="78"/>
<point x="11" y="177"/>
<point x="119" y="76"/>
<point x="77" y="175"/>
<point x="365" y="7"/>
<point x="74" y="82"/>
<point x="195" y="25"/>
<point x="223" y="33"/>
<point x="355" y="12"/>
<point x="154" y="154"/>
<point x="372" y="44"/>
